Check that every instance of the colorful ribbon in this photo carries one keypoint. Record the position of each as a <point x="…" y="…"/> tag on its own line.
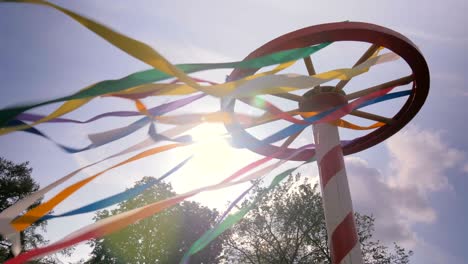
<point x="78" y="185"/>
<point x="162" y="68"/>
<point x="325" y="116"/>
<point x="117" y="222"/>
<point x="117" y="198"/>
<point x="39" y="211"/>
<point x="135" y="48"/>
<point x="231" y="220"/>
<point x="139" y="85"/>
<point x="263" y="84"/>
<point x="239" y="140"/>
<point x="228" y="222"/>
<point x="291" y="82"/>
<point x="7" y="215"/>
<point x="158" y="110"/>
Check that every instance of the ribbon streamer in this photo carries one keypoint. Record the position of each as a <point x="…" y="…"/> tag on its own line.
<point x="292" y="82"/>
<point x="117" y="198"/>
<point x="39" y="211"/>
<point x="114" y="223"/>
<point x="239" y="141"/>
<point x="133" y="47"/>
<point x="231" y="220"/>
<point x="37" y="132"/>
<point x="262" y="84"/>
<point x="249" y="86"/>
<point x="99" y="139"/>
<point x="68" y="106"/>
<point x="162" y="68"/>
<point x="158" y="110"/>
<point x="27" y="220"/>
<point x="7" y="215"/>
<point x="227" y="223"/>
<point x="325" y="116"/>
<point x="102" y="138"/>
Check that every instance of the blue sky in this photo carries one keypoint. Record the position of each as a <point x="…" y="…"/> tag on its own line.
<point x="413" y="183"/>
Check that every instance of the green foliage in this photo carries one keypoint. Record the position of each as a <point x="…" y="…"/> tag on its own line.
<point x="16" y="183"/>
<point x="374" y="252"/>
<point x="287" y="225"/>
<point x="162" y="238"/>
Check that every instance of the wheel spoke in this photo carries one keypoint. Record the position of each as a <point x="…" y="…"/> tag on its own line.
<point x="310" y="68"/>
<point x="363" y="58"/>
<point x="397" y="82"/>
<point x="373" y="117"/>
<point x="309" y="65"/>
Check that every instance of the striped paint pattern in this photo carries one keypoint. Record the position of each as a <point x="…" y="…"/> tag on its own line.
<point x="339" y="217"/>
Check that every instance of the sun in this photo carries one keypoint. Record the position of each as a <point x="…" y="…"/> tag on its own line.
<point x="212" y="151"/>
<point x="214" y="159"/>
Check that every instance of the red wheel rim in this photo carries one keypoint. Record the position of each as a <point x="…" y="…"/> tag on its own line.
<point x="332" y="32"/>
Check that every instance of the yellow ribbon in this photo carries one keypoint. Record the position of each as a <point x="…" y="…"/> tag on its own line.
<point x="148" y="55"/>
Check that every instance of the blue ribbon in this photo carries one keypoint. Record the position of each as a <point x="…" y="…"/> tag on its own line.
<point x="117" y="198"/>
<point x="295" y="128"/>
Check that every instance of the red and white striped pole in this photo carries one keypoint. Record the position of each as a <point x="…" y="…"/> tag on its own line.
<point x="339" y="217"/>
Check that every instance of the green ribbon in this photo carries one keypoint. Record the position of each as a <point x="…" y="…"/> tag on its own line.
<point x="232" y="219"/>
<point x="153" y="75"/>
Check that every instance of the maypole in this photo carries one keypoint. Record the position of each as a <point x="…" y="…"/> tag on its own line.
<point x="329" y="150"/>
<point x="336" y="197"/>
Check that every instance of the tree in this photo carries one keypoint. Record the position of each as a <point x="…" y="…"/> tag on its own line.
<point x="16" y="183"/>
<point x="162" y="238"/>
<point x="287" y="225"/>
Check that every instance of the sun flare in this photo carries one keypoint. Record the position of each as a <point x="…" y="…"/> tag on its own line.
<point x="213" y="153"/>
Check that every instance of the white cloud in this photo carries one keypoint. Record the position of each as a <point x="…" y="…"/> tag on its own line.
<point x="421" y="159"/>
<point x="372" y="195"/>
<point x="420" y="162"/>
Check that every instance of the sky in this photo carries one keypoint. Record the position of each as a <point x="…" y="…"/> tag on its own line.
<point x="413" y="183"/>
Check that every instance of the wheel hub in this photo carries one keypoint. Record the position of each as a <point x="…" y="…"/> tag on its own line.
<point x="320" y="99"/>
